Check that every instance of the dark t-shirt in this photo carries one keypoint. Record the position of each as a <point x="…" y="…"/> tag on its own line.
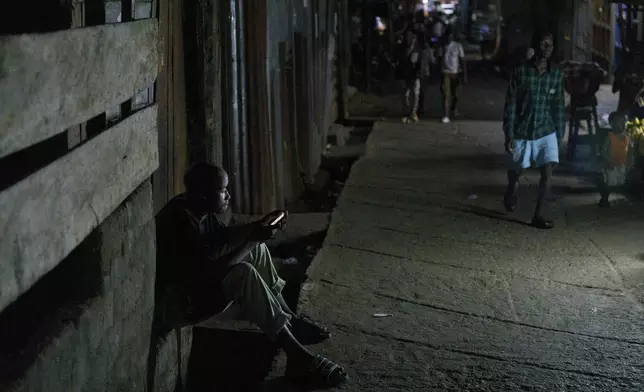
<point x="414" y="45"/>
<point x="188" y="275"/>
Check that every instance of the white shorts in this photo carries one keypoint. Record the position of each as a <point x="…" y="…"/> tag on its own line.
<point x="534" y="153"/>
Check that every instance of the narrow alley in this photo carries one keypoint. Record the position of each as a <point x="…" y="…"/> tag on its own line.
<point x="152" y="152"/>
<point x="472" y="299"/>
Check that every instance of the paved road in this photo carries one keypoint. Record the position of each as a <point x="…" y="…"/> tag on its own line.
<point x="482" y="100"/>
<point x="479" y="300"/>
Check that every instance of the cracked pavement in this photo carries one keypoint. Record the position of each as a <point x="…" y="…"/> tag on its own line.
<point x="479" y="300"/>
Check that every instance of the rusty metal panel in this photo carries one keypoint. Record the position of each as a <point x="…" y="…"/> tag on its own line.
<point x="262" y="167"/>
<point x="303" y="76"/>
<point x="230" y="111"/>
<point x="274" y="10"/>
<point x="291" y="161"/>
<point x="288" y="88"/>
<point x="243" y="109"/>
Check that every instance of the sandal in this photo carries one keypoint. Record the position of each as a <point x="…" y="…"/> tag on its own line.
<point x="541" y="223"/>
<point x="307" y="331"/>
<point x="321" y="372"/>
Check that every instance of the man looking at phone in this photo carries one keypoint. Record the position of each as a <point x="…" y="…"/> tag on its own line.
<point x="204" y="266"/>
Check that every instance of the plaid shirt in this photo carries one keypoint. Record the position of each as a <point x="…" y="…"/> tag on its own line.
<point x="534" y="104"/>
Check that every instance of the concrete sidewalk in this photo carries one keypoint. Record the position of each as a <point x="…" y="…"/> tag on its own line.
<point x="479" y="301"/>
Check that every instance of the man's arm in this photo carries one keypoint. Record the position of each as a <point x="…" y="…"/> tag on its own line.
<point x="559" y="109"/>
<point x="226" y="240"/>
<point x="211" y="265"/>
<point x="509" y="110"/>
<point x="235" y="255"/>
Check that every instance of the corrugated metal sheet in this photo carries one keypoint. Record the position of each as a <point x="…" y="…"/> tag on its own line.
<point x="286" y="97"/>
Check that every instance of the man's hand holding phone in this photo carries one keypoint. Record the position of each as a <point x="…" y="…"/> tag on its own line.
<point x="275" y="220"/>
<point x="270" y="224"/>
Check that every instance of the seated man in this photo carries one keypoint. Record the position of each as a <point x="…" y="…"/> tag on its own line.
<point x="204" y="266"/>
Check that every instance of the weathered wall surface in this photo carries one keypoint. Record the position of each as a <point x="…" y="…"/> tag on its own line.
<point x="334" y="110"/>
<point x="103" y="343"/>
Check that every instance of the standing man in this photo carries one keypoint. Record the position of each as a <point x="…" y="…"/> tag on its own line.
<point x="453" y="65"/>
<point x="534" y="123"/>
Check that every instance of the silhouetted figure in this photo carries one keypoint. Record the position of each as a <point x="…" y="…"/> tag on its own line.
<point x="453" y="67"/>
<point x="414" y="66"/>
<point x="582" y="82"/>
<point x="616" y="158"/>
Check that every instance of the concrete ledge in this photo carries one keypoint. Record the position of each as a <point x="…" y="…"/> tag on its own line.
<point x="338" y="135"/>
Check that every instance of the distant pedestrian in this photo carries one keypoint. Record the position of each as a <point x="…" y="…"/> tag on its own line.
<point x="453" y="67"/>
<point x="413" y="68"/>
<point x="534" y="122"/>
<point x="616" y="158"/>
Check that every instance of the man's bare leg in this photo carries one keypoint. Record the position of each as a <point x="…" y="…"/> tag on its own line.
<point x="303" y="328"/>
<point x="284" y="305"/>
<point x="510" y="199"/>
<point x="544" y="188"/>
<point x="293" y="349"/>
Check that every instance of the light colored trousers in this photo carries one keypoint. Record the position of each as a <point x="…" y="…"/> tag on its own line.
<point x="412" y="95"/>
<point x="252" y="287"/>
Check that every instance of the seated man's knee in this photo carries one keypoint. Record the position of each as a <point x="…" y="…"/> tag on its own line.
<point x="258" y="252"/>
<point x="262" y="248"/>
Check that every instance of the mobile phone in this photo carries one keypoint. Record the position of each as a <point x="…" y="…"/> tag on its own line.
<point x="278" y="219"/>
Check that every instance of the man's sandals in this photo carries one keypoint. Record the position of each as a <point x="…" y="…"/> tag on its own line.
<point x="320" y="372"/>
<point x="510" y="203"/>
<point x="307" y="331"/>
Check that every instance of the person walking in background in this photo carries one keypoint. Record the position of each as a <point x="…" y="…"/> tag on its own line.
<point x="616" y="158"/>
<point x="413" y="68"/>
<point x="534" y="122"/>
<point x="453" y="66"/>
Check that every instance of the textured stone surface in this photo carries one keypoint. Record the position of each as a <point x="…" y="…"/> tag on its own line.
<point x="49" y="82"/>
<point x="106" y="349"/>
<point x="46" y="215"/>
<point x="479" y="300"/>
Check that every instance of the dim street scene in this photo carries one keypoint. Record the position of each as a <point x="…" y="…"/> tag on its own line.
<point x="343" y="195"/>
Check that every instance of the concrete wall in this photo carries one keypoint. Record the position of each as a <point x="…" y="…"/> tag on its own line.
<point x="97" y="336"/>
